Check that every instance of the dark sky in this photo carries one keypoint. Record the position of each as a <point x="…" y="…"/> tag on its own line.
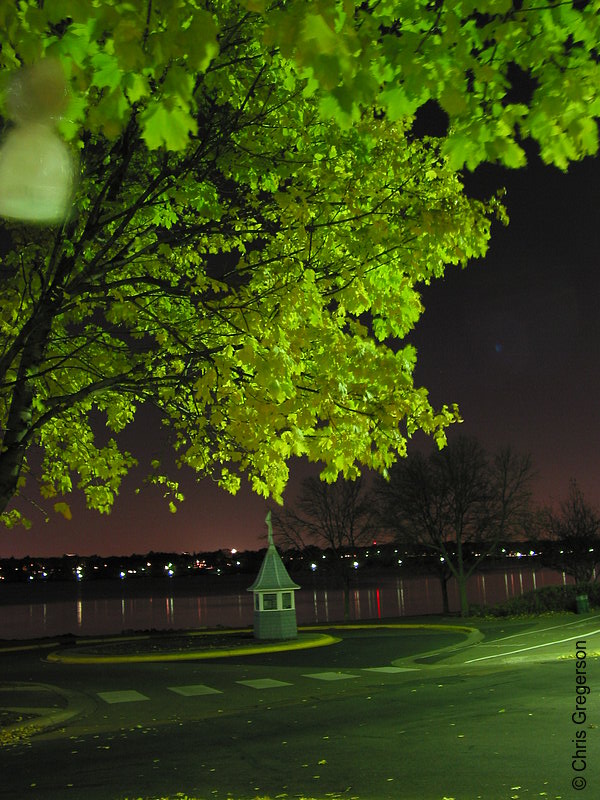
<point x="513" y="339"/>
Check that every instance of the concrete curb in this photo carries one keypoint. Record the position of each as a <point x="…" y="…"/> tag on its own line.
<point x="47" y="717"/>
<point x="320" y="640"/>
<point x="19" y="648"/>
<point x="254" y="649"/>
<point x="435" y="626"/>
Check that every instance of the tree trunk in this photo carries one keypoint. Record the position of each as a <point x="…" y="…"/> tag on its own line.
<point x="462" y="591"/>
<point x="16" y="439"/>
<point x="461" y="578"/>
<point x="444" y="585"/>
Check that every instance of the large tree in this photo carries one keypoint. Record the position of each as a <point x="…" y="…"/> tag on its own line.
<point x="252" y="218"/>
<point x="573" y="531"/>
<point x="459" y="504"/>
<point x="337" y="517"/>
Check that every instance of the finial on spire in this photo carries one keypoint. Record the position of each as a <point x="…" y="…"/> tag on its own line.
<point x="269" y="527"/>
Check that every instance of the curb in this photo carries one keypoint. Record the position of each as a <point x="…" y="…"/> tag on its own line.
<point x="49" y="718"/>
<point x="320" y="640"/>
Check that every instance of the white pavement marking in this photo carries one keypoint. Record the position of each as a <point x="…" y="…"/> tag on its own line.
<point x="264" y="683"/>
<point x="390" y="669"/>
<point x="330" y="676"/>
<point x="128" y="696"/>
<point x="534" y="647"/>
<point x="551" y="628"/>
<point x="193" y="689"/>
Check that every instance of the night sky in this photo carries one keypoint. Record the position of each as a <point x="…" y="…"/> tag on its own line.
<point x="513" y="339"/>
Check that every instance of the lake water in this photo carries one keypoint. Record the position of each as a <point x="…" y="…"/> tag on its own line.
<point x="108" y="607"/>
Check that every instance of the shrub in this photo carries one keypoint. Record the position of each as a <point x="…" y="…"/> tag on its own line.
<point x="541" y="601"/>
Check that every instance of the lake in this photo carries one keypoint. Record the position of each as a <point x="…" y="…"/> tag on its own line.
<point x="102" y="607"/>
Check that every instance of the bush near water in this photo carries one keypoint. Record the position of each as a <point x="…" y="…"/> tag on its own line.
<point x="540" y="601"/>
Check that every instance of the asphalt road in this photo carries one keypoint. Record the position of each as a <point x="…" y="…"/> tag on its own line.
<point x="373" y="717"/>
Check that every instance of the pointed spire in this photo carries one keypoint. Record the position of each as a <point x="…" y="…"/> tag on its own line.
<point x="272" y="575"/>
<point x="269" y="527"/>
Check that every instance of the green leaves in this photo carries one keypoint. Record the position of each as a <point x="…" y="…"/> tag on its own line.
<point x="64" y="509"/>
<point x="198" y="40"/>
<point x="398" y="104"/>
<point x="166" y="127"/>
<point x="255" y="218"/>
<point x="462" y="56"/>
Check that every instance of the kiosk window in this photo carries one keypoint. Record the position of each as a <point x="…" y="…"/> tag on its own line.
<point x="269" y="602"/>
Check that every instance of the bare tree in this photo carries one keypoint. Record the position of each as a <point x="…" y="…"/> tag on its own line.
<point x="575" y="532"/>
<point x="458" y="503"/>
<point x="335" y="516"/>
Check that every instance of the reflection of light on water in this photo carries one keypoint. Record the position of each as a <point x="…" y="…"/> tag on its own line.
<point x="169" y="610"/>
<point x="86" y="614"/>
<point x="400" y="595"/>
<point x="533" y="577"/>
<point x="201" y="608"/>
<point x="482" y="584"/>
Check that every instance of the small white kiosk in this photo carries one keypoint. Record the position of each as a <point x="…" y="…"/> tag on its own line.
<point x="274" y="602"/>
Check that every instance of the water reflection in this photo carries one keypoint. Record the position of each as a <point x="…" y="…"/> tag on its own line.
<point x="192" y="607"/>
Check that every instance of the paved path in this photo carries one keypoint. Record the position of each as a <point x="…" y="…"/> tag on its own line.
<point x="378" y="716"/>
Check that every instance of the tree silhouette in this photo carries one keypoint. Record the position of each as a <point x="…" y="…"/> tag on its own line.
<point x="458" y="503"/>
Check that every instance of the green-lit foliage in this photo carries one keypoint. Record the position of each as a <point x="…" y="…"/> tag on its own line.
<point x="501" y="70"/>
<point x="238" y="255"/>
